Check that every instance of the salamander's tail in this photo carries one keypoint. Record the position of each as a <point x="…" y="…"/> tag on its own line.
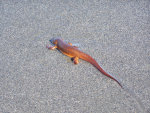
<point x="103" y="72"/>
<point x="118" y="82"/>
<point x="95" y="64"/>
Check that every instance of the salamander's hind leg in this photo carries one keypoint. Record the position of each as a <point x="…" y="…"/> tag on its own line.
<point x="51" y="47"/>
<point x="75" y="60"/>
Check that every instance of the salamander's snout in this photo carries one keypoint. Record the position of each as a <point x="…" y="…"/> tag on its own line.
<point x="51" y="40"/>
<point x="54" y="40"/>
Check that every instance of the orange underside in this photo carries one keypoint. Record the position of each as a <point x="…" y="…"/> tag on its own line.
<point x="67" y="54"/>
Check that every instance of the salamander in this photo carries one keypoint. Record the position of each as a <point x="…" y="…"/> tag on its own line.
<point x="75" y="54"/>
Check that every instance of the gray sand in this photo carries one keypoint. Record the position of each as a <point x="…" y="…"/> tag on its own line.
<point x="33" y="79"/>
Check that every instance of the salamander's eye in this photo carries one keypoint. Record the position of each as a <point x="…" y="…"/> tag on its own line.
<point x="55" y="42"/>
<point x="52" y="40"/>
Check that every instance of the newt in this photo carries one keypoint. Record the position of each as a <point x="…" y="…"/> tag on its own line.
<point x="75" y="54"/>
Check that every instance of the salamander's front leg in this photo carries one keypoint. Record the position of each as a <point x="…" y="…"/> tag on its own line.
<point x="72" y="45"/>
<point x="51" y="47"/>
<point x="75" y="60"/>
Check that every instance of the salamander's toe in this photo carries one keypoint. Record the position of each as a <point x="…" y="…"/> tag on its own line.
<point x="51" y="47"/>
<point x="75" y="60"/>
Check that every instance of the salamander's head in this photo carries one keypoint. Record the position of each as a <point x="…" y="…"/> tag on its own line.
<point x="54" y="41"/>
